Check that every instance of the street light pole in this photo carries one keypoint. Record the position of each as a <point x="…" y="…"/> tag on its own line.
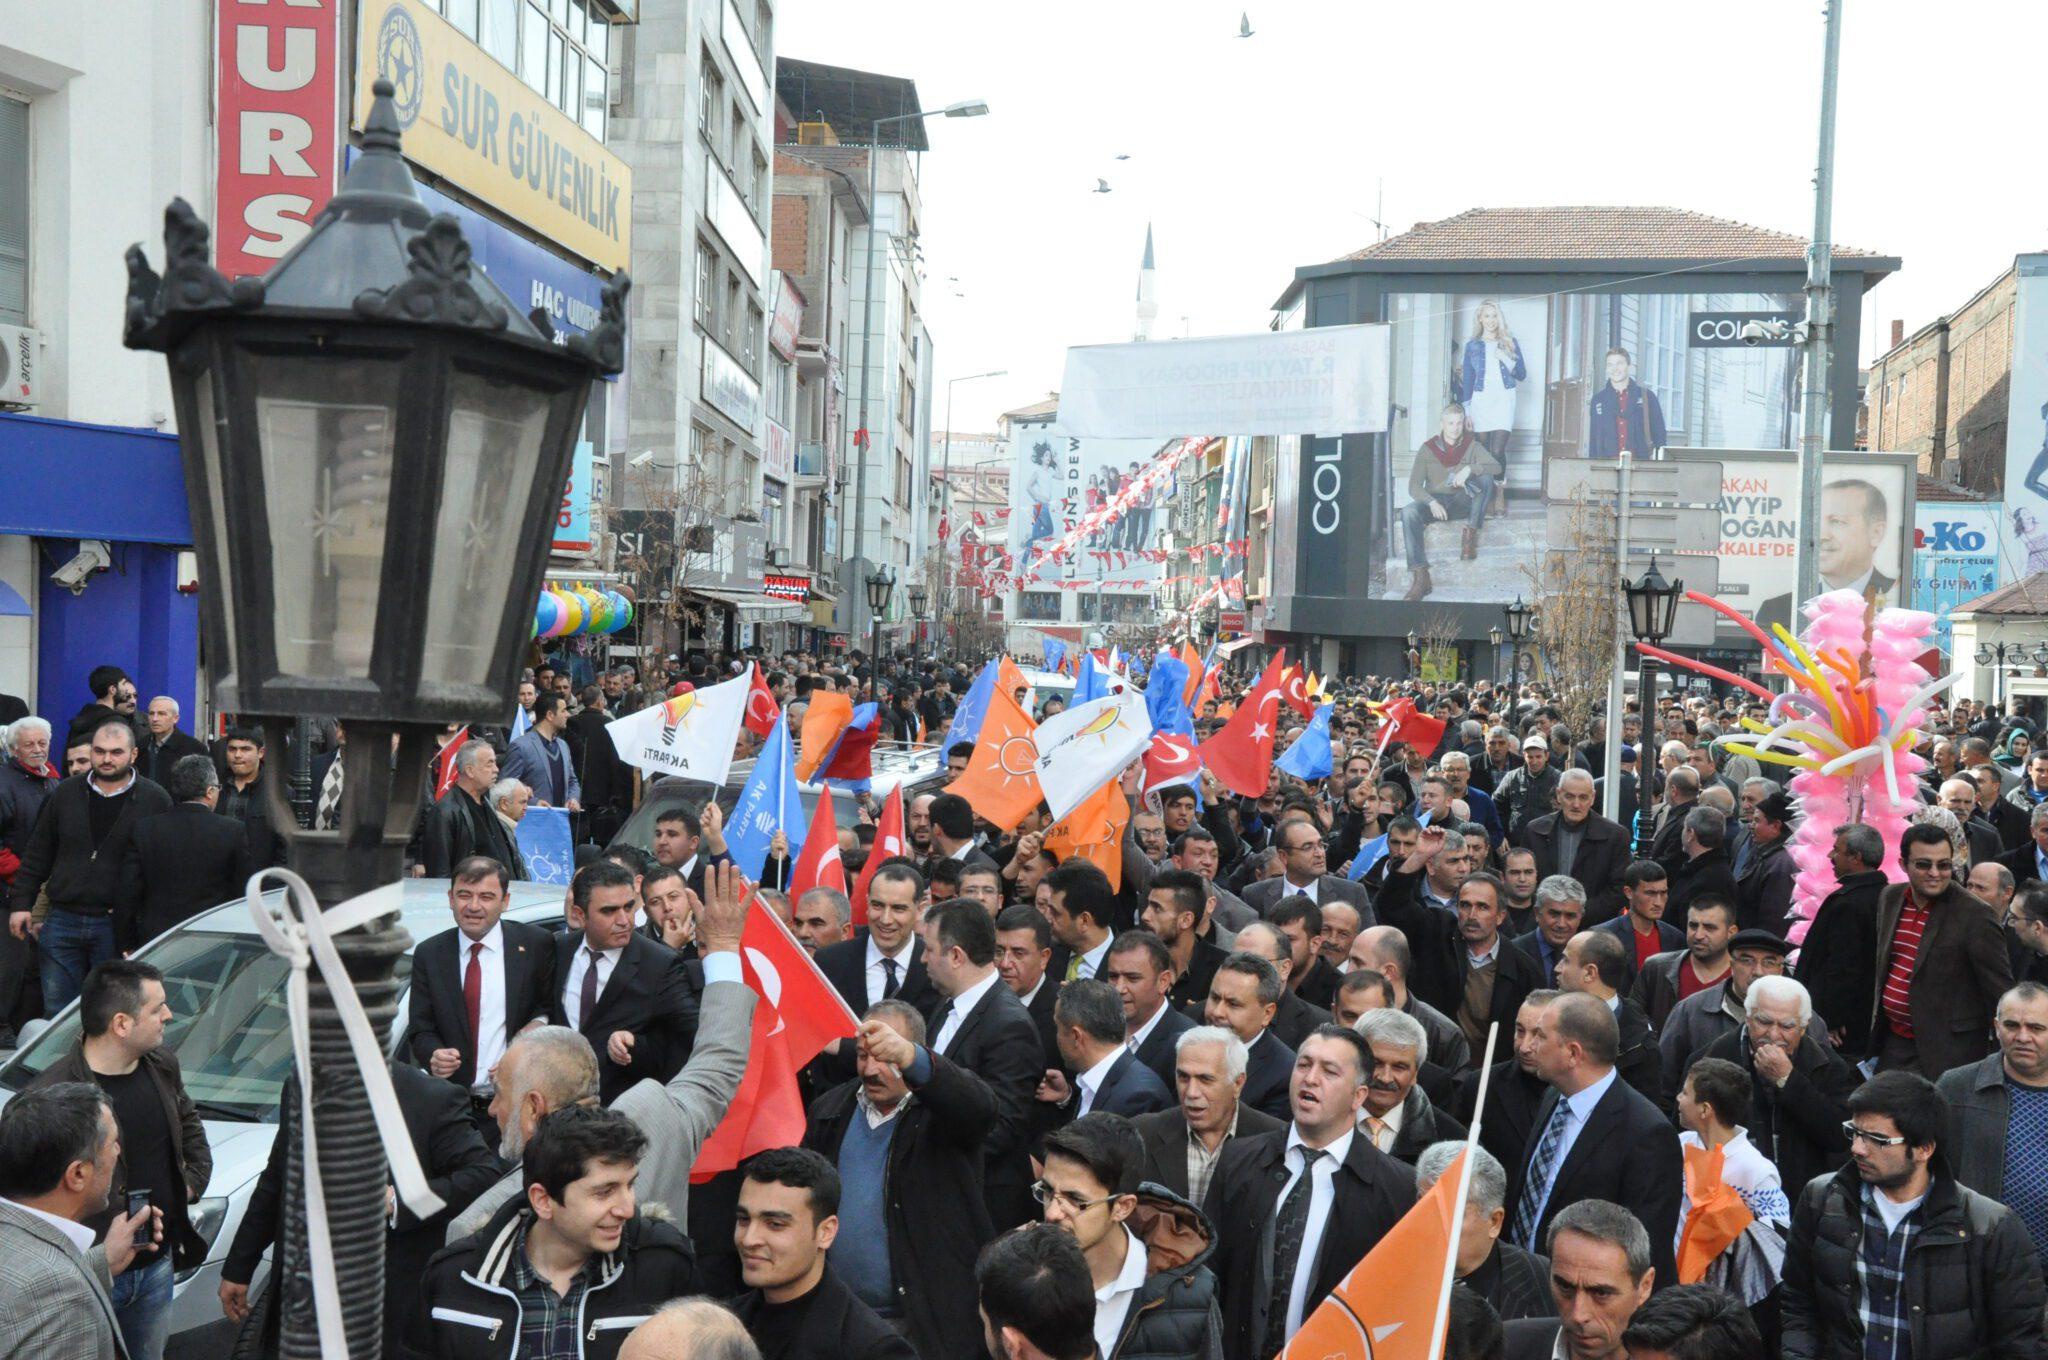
<point x="1652" y="608"/>
<point x="865" y="439"/>
<point x="1820" y="325"/>
<point x="946" y="499"/>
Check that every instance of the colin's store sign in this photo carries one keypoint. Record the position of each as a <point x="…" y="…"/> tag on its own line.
<point x="475" y="124"/>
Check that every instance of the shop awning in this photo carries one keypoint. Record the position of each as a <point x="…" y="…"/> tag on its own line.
<point x="752" y="606"/>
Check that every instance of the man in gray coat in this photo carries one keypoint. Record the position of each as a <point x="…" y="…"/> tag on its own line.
<point x="58" y="1147"/>
<point x="548" y="1068"/>
<point x="2000" y="1102"/>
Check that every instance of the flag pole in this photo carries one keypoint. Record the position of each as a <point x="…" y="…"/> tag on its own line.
<point x="1443" y="1301"/>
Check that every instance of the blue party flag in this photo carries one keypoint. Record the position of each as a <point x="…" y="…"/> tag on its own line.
<point x="1309" y="756"/>
<point x="972" y="710"/>
<point x="1055" y="653"/>
<point x="1369" y="854"/>
<point x="767" y="804"/>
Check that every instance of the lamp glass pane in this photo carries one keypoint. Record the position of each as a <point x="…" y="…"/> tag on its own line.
<point x="325" y="431"/>
<point x="495" y="432"/>
<point x="209" y="436"/>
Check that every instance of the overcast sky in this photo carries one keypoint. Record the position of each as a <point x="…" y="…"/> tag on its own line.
<point x="1252" y="156"/>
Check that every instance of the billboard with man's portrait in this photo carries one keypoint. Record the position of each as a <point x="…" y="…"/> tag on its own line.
<point x="1488" y="388"/>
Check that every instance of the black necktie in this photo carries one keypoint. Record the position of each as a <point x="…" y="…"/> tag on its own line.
<point x="589" y="1006"/>
<point x="888" y="977"/>
<point x="1290" y="1226"/>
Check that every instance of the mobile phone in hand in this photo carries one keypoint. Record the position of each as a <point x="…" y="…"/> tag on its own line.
<point x="145" y="1231"/>
<point x="138" y="1200"/>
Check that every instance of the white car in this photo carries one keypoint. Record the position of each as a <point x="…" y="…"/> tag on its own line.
<point x="227" y="997"/>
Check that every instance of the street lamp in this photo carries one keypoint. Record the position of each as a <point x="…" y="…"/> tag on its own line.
<point x="374" y="439"/>
<point x="1414" y="655"/>
<point x="946" y="484"/>
<point x="1652" y="607"/>
<point x="919" y="598"/>
<point x="1521" y="624"/>
<point x="1997" y="655"/>
<point x="864" y="440"/>
<point x="880" y="586"/>
<point x="1495" y="637"/>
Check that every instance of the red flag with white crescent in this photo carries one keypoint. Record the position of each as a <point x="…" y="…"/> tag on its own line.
<point x="1241" y="755"/>
<point x="444" y="763"/>
<point x="889" y="840"/>
<point x="1170" y="758"/>
<point x="762" y="710"/>
<point x="818" y="864"/>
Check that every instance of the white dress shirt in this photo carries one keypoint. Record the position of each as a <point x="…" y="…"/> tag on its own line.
<point x="572" y="993"/>
<point x="490" y="1014"/>
<point x="963" y="1004"/>
<point x="877" y="978"/>
<point x="80" y="1236"/>
<point x="1313" y="892"/>
<point x="1390" y="1126"/>
<point x="1322" y="1196"/>
<point x="1091" y="962"/>
<point x="1113" y="1300"/>
<point x="1144" y="1031"/>
<point x="1032" y="995"/>
<point x="1090" y="1082"/>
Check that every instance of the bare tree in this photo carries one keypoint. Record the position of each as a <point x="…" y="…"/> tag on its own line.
<point x="1437" y="639"/>
<point x="668" y="548"/>
<point x="1578" y="588"/>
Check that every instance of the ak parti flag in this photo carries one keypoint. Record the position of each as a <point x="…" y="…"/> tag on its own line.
<point x="796" y="1014"/>
<point x="889" y="840"/>
<point x="762" y="710"/>
<point x="1001" y="782"/>
<point x="1241" y="755"/>
<point x="818" y="864"/>
<point x="1717" y="1217"/>
<point x="1094" y="831"/>
<point x="1385" y="1309"/>
<point x="444" y="763"/>
<point x="830" y="714"/>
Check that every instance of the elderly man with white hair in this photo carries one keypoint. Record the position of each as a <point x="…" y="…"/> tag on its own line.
<point x="1799" y="1087"/>
<point x="26" y="778"/>
<point x="1183" y="1144"/>
<point x="1959" y="796"/>
<point x="164" y="744"/>
<point x="509" y="799"/>
<point x="1578" y="841"/>
<point x="1513" y="1279"/>
<point x="1397" y="1117"/>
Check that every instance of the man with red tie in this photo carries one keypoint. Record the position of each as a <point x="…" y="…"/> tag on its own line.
<point x="476" y="986"/>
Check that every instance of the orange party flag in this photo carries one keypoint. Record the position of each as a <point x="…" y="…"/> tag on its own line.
<point x="1001" y="782"/>
<point x="1094" y="831"/>
<point x="1717" y="1216"/>
<point x="1385" y="1309"/>
<point x="829" y="715"/>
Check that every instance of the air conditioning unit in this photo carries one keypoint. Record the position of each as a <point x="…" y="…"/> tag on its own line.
<point x="21" y="361"/>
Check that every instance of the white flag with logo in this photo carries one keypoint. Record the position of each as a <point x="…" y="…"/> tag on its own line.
<point x="1084" y="747"/>
<point x="692" y="734"/>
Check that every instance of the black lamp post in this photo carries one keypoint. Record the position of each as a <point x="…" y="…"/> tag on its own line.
<point x="374" y="439"/>
<point x="881" y="585"/>
<point x="1998" y="655"/>
<point x="919" y="598"/>
<point x="1652" y="606"/>
<point x="1521" y="625"/>
<point x="1414" y="655"/>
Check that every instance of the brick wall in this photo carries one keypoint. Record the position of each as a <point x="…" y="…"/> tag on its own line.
<point x="1940" y="393"/>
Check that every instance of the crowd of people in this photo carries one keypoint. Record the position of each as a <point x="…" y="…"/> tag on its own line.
<point x="1156" y="1112"/>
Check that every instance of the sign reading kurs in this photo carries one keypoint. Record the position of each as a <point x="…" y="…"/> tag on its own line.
<point x="475" y="124"/>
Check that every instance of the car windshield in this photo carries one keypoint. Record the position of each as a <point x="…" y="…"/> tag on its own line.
<point x="228" y="1027"/>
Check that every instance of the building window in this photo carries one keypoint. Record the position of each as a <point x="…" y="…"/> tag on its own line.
<point x="759" y="198"/>
<point x="707" y="298"/>
<point x="1039" y="604"/>
<point x="498" y="31"/>
<point x="752" y="353"/>
<point x="734" y="310"/>
<point x="534" y="41"/>
<point x="711" y="101"/>
<point x="13" y="211"/>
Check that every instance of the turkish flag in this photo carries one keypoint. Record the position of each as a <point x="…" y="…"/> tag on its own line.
<point x="762" y="710"/>
<point x="1001" y="782"/>
<point x="444" y="763"/>
<point x="1241" y="755"/>
<point x="1416" y="728"/>
<point x="798" y="1012"/>
<point x="1294" y="689"/>
<point x="818" y="864"/>
<point x="1170" y="759"/>
<point x="889" y="840"/>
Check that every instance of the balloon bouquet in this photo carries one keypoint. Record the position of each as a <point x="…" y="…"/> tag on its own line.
<point x="1848" y="723"/>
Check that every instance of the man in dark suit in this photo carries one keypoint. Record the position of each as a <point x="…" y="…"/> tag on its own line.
<point x="952" y="833"/>
<point x="164" y="744"/>
<point x="459" y="1166"/>
<point x="1601" y="1272"/>
<point x="1594" y="964"/>
<point x="1023" y="948"/>
<point x="1183" y="1143"/>
<point x="1703" y="869"/>
<point x="1595" y="1136"/>
<point x="690" y="840"/>
<point x="1142" y="972"/>
<point x="1083" y="914"/>
<point x="1311" y="977"/>
<point x="911" y="1205"/>
<point x="1293" y="1018"/>
<point x="1107" y="1075"/>
<point x="1303" y="860"/>
<point x="1294" y="1211"/>
<point x="984" y="1028"/>
<point x="1837" y="960"/>
<point x="886" y="958"/>
<point x="474" y="988"/>
<point x="2029" y="863"/>
<point x="623" y="992"/>
<point x="1451" y="947"/>
<point x="607" y="780"/>
<point x="1514" y="1093"/>
<point x="1934" y="997"/>
<point x="182" y="862"/>
<point x="1243" y="997"/>
<point x="1599" y="850"/>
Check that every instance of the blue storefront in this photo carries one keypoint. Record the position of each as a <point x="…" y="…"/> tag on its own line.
<point x="70" y="484"/>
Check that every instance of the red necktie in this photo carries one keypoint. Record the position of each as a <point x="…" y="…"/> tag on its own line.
<point x="473" y="994"/>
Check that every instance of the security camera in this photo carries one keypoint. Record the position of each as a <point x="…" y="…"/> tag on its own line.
<point x="93" y="557"/>
<point x="1756" y="332"/>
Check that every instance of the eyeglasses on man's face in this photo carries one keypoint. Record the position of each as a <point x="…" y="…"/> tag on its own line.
<point x="1045" y="1193"/>
<point x="1936" y="866"/>
<point x="1877" y="1140"/>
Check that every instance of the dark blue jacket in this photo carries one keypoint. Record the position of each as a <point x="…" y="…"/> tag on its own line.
<point x="1645" y="421"/>
<point x="1477" y="354"/>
